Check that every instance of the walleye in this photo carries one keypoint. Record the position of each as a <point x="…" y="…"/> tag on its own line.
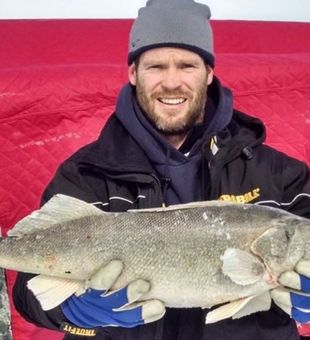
<point x="195" y="255"/>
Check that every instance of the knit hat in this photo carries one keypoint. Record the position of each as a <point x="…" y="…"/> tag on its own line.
<point x="172" y="23"/>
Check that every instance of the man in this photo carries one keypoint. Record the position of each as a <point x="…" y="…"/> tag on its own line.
<point x="174" y="138"/>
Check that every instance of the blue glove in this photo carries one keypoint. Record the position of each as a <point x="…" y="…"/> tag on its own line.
<point x="98" y="307"/>
<point x="295" y="299"/>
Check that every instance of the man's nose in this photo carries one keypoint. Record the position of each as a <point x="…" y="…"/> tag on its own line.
<point x="171" y="78"/>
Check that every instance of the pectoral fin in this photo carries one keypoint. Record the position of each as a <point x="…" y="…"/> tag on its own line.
<point x="242" y="267"/>
<point x="240" y="308"/>
<point x="51" y="291"/>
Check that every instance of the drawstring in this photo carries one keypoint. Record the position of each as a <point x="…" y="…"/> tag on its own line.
<point x="165" y="183"/>
<point x="165" y="180"/>
<point x="206" y="155"/>
<point x="203" y="176"/>
<point x="204" y="169"/>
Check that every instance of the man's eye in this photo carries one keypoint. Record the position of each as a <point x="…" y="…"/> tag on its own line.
<point x="155" y="66"/>
<point x="187" y="66"/>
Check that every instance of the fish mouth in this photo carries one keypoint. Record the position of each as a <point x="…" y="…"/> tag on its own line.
<point x="271" y="278"/>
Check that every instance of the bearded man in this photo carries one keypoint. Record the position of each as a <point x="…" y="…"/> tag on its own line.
<point x="173" y="138"/>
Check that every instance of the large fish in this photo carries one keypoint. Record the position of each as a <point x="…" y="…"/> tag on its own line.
<point x="195" y="255"/>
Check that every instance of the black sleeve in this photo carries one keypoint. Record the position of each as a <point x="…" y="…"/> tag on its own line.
<point x="73" y="181"/>
<point x="296" y="187"/>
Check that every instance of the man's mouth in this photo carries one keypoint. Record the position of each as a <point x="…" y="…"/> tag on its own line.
<point x="172" y="101"/>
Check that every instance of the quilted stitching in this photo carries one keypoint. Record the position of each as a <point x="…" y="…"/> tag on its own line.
<point x="56" y="102"/>
<point x="276" y="89"/>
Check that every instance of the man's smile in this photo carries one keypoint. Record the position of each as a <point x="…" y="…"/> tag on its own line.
<point x="172" y="101"/>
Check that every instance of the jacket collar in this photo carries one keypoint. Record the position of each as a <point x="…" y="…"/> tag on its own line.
<point x="118" y="152"/>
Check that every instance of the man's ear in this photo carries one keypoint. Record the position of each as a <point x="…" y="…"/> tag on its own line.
<point x="210" y="75"/>
<point x="132" y="74"/>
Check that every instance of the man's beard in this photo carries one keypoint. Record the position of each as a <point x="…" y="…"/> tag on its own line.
<point x="194" y="113"/>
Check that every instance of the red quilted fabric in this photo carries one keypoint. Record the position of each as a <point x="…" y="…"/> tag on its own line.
<point x="59" y="80"/>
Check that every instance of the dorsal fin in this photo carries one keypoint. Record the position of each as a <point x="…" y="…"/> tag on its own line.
<point x="199" y="204"/>
<point x="59" y="209"/>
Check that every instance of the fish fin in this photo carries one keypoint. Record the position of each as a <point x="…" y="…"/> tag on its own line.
<point x="59" y="209"/>
<point x="227" y="310"/>
<point x="199" y="204"/>
<point x="51" y="291"/>
<point x="258" y="303"/>
<point x="242" y="267"/>
<point x="240" y="308"/>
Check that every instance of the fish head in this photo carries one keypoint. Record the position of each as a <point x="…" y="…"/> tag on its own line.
<point x="284" y="244"/>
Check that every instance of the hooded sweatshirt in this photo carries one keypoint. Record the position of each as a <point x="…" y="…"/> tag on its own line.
<point x="101" y="170"/>
<point x="180" y="171"/>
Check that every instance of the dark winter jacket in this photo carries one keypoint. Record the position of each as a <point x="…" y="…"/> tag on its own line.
<point x="116" y="174"/>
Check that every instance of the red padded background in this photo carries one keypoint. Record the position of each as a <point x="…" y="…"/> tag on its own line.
<point x="59" y="80"/>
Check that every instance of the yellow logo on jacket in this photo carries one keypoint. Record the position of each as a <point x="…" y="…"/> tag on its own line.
<point x="244" y="198"/>
<point x="85" y="332"/>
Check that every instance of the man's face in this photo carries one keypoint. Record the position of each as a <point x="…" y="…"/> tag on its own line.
<point x="171" y="86"/>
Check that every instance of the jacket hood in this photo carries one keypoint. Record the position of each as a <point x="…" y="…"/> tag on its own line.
<point x="218" y="114"/>
<point x="179" y="170"/>
<point x="241" y="136"/>
<point x="117" y="150"/>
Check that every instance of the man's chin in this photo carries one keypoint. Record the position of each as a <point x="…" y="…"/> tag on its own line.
<point x="170" y="131"/>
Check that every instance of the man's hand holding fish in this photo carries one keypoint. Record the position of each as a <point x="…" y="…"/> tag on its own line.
<point x="100" y="307"/>
<point x="295" y="298"/>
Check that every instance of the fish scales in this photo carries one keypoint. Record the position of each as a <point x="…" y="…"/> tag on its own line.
<point x="179" y="250"/>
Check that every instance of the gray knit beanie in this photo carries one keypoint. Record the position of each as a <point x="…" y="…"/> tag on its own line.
<point x="174" y="23"/>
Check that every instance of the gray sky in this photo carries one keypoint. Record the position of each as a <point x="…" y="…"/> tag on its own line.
<point x="278" y="10"/>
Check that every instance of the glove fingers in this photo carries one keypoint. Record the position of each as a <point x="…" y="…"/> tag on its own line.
<point x="125" y="296"/>
<point x="293" y="280"/>
<point x="303" y="267"/>
<point x="296" y="301"/>
<point x="99" y="307"/>
<point x="282" y="300"/>
<point x="290" y="279"/>
<point x="106" y="276"/>
<point x="81" y="317"/>
<point x="300" y="300"/>
<point x="291" y="298"/>
<point x="305" y="283"/>
<point x="299" y="315"/>
<point x="153" y="310"/>
<point x="140" y="312"/>
<point x="136" y="289"/>
<point x="129" y="316"/>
